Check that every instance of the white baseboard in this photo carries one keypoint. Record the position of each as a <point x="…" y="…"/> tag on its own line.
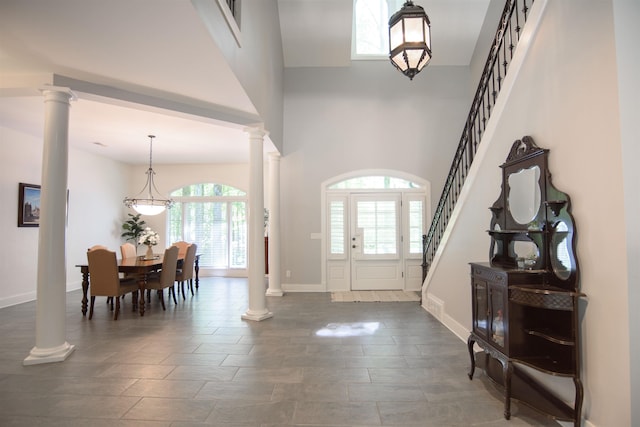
<point x="295" y="287"/>
<point x="217" y="272"/>
<point x="33" y="295"/>
<point x="460" y="330"/>
<point x="436" y="307"/>
<point x="17" y="299"/>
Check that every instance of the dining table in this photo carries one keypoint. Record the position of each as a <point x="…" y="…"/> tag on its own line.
<point x="139" y="266"/>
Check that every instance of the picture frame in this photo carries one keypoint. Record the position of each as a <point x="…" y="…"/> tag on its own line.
<point x="28" y="205"/>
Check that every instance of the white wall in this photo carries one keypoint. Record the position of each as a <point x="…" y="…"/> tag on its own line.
<point x="17" y="152"/>
<point x="367" y="116"/>
<point x="96" y="189"/>
<point x="565" y="97"/>
<point x="626" y="16"/>
<point x="258" y="62"/>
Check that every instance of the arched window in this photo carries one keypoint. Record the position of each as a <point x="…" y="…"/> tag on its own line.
<point x="373" y="182"/>
<point x="214" y="216"/>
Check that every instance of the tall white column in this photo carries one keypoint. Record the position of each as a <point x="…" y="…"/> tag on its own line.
<point x="275" y="286"/>
<point x="257" y="300"/>
<point x="51" y="345"/>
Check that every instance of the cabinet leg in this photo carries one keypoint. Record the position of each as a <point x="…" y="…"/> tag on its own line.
<point x="578" y="403"/>
<point x="470" y="342"/>
<point x="507" y="370"/>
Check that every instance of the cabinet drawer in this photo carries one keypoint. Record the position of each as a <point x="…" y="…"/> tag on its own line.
<point x="543" y="298"/>
<point x="488" y="274"/>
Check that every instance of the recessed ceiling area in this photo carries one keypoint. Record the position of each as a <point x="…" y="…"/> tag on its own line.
<point x="122" y="132"/>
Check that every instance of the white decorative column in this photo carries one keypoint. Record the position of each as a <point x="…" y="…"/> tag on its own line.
<point x="275" y="286"/>
<point x="51" y="345"/>
<point x="257" y="300"/>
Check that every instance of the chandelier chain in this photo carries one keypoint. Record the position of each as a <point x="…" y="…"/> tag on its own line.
<point x="151" y="150"/>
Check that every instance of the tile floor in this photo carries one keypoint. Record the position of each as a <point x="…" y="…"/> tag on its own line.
<point x="315" y="363"/>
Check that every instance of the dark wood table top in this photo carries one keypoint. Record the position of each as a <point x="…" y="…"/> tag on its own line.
<point x="139" y="264"/>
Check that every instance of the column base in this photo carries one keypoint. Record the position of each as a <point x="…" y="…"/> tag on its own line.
<point x="49" y="355"/>
<point x="257" y="316"/>
<point x="274" y="292"/>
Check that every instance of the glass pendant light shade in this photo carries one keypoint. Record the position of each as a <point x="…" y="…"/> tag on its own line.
<point x="410" y="39"/>
<point x="145" y="203"/>
<point x="148" y="209"/>
<point x="148" y="206"/>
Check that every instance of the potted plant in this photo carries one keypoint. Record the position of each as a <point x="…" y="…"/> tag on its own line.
<point x="133" y="228"/>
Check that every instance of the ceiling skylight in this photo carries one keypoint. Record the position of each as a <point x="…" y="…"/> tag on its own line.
<point x="370" y="38"/>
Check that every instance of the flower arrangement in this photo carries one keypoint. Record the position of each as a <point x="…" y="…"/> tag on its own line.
<point x="148" y="237"/>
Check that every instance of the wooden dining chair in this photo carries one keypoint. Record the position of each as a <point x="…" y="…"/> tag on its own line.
<point x="128" y="250"/>
<point x="167" y="275"/>
<point x="185" y="274"/>
<point x="109" y="299"/>
<point x="182" y="248"/>
<point x="182" y="253"/>
<point x="104" y="279"/>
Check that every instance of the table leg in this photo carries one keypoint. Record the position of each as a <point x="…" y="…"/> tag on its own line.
<point x="197" y="269"/>
<point x="85" y="289"/>
<point x="142" y="284"/>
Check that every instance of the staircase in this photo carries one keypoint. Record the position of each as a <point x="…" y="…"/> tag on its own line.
<point x="512" y="21"/>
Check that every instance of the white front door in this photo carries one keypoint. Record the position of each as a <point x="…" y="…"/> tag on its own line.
<point x="375" y="241"/>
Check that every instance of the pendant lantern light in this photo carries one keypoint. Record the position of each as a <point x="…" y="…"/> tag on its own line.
<point x="410" y="39"/>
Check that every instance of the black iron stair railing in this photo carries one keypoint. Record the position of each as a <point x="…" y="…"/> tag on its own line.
<point x="507" y="36"/>
<point x="232" y="6"/>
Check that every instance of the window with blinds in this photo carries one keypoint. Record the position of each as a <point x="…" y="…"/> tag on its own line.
<point x="337" y="229"/>
<point x="214" y="216"/>
<point x="377" y="219"/>
<point x="416" y="213"/>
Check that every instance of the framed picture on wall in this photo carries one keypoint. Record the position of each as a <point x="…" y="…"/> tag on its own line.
<point x="28" y="205"/>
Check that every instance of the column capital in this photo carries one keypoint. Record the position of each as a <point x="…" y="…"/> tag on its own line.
<point x="59" y="93"/>
<point x="274" y="156"/>
<point x="256" y="131"/>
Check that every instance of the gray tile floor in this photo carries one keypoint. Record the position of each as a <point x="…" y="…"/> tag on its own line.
<point x="315" y="363"/>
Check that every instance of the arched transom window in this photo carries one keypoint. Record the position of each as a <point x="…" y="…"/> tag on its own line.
<point x="374" y="182"/>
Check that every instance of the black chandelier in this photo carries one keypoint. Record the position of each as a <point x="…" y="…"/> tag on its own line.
<point x="145" y="202"/>
<point x="410" y="39"/>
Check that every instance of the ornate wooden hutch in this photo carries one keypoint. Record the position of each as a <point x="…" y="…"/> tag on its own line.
<point x="526" y="298"/>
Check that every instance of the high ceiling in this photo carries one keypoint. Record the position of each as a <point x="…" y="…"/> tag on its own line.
<point x="152" y="44"/>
